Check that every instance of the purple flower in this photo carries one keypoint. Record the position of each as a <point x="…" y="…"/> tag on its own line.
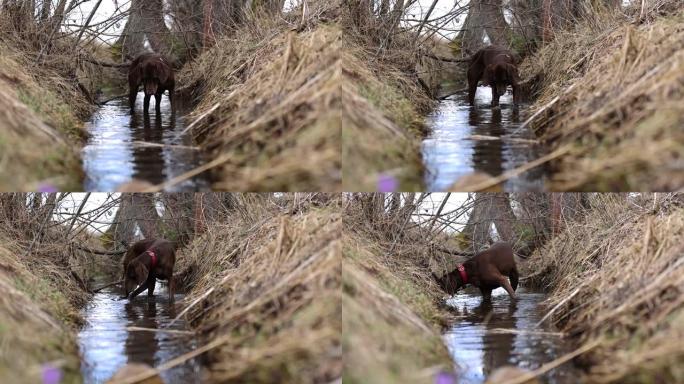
<point x="387" y="183"/>
<point x="51" y="375"/>
<point x="47" y="188"/>
<point x="445" y="378"/>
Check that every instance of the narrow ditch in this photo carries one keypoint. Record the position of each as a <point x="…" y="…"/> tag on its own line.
<point x="504" y="332"/>
<point x="465" y="140"/>
<point x="151" y="148"/>
<point x="107" y="342"/>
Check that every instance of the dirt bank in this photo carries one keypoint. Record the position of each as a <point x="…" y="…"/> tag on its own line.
<point x="391" y="322"/>
<point x="620" y="82"/>
<point x="39" y="301"/>
<point x="382" y="116"/>
<point x="266" y="294"/>
<point x="617" y="276"/>
<point x="268" y="114"/>
<point x="40" y="125"/>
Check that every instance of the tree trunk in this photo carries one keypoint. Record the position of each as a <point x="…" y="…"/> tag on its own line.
<point x="145" y="214"/>
<point x="219" y="16"/>
<point x="178" y="225"/>
<point x="478" y="227"/>
<point x="484" y="16"/>
<point x="146" y="21"/>
<point x="187" y="24"/>
<point x="527" y="21"/>
<point x="122" y="230"/>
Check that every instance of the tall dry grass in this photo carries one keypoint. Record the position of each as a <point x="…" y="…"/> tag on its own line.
<point x="40" y="295"/>
<point x="266" y="291"/>
<point x="617" y="276"/>
<point x="273" y="96"/>
<point x="392" y="317"/>
<point x="620" y="83"/>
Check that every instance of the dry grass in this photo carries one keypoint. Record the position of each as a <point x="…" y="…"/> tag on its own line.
<point x="382" y="120"/>
<point x="390" y="324"/>
<point x="38" y="310"/>
<point x="620" y="272"/>
<point x="623" y="119"/>
<point x="37" y="129"/>
<point x="277" y="125"/>
<point x="41" y="113"/>
<point x="268" y="286"/>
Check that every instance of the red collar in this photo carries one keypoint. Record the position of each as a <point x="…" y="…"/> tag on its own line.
<point x="153" y="257"/>
<point x="462" y="272"/>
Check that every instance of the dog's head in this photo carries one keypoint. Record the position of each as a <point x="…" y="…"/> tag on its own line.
<point x="136" y="274"/>
<point x="500" y="75"/>
<point x="449" y="282"/>
<point x="154" y="72"/>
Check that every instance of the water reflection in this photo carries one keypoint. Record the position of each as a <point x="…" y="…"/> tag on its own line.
<point x="450" y="153"/>
<point x="106" y="345"/>
<point x="123" y="147"/>
<point x="478" y="349"/>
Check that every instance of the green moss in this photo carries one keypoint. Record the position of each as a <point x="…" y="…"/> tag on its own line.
<point x="53" y="110"/>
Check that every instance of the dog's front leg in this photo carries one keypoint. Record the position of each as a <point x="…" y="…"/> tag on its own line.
<point x="151" y="282"/>
<point x="141" y="288"/>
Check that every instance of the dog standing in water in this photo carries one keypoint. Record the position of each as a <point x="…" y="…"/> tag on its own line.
<point x="154" y="72"/>
<point x="496" y="67"/>
<point x="145" y="262"/>
<point x="488" y="270"/>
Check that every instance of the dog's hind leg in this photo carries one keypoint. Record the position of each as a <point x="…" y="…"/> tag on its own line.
<point x="503" y="281"/>
<point x="513" y="277"/>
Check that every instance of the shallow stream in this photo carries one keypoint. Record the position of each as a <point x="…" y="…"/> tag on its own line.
<point x="504" y="332"/>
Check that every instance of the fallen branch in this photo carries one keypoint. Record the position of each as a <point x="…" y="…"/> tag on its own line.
<point x="552" y="364"/>
<point x="97" y="252"/>
<point x="494" y="181"/>
<point x="106" y="286"/>
<point x="202" y="116"/>
<point x="524" y="332"/>
<point x="544" y="108"/>
<point x="446" y="59"/>
<point x="452" y="252"/>
<point x="555" y="307"/>
<point x="452" y="93"/>
<point x="495" y="138"/>
<point x="106" y="64"/>
<point x="112" y="99"/>
<point x="143" y="329"/>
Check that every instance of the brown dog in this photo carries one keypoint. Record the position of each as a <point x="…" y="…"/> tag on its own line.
<point x="154" y="72"/>
<point x="496" y="67"/>
<point x="145" y="262"/>
<point x="488" y="270"/>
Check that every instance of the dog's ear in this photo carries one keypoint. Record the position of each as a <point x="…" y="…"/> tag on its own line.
<point x="141" y="271"/>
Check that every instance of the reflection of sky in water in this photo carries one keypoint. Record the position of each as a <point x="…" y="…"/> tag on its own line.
<point x="477" y="351"/>
<point x="106" y="345"/>
<point x="110" y="158"/>
<point x="449" y="153"/>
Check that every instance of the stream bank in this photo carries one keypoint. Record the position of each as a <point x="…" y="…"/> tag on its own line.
<point x="610" y="92"/>
<point x="638" y="323"/>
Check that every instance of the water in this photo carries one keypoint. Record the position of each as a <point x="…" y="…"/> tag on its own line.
<point x="106" y="345"/>
<point x="450" y="153"/>
<point x="123" y="147"/>
<point x="477" y="349"/>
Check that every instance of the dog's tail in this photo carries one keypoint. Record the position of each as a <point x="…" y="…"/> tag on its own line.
<point x="513" y="277"/>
